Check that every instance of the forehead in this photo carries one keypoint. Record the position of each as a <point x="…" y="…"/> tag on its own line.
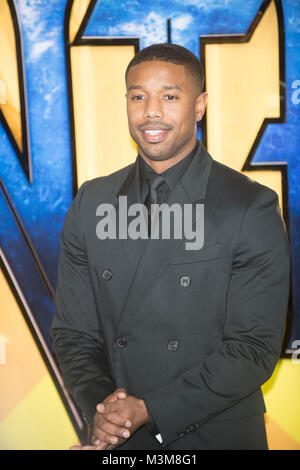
<point x="157" y="73"/>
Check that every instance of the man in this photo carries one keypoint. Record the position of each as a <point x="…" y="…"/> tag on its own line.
<point x="164" y="347"/>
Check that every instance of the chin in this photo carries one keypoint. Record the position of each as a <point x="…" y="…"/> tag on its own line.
<point x="158" y="158"/>
<point x="157" y="155"/>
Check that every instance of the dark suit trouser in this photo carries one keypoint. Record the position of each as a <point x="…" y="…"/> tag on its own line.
<point x="240" y="434"/>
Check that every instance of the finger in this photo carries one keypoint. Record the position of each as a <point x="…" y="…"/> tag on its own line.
<point x="97" y="441"/>
<point x="100" y="445"/>
<point x="119" y="393"/>
<point x="110" y="433"/>
<point x="101" y="436"/>
<point x="115" y="429"/>
<point x="112" y="413"/>
<point x="115" y="418"/>
<point x="106" y="439"/>
<point x="109" y="407"/>
<point x="101" y="408"/>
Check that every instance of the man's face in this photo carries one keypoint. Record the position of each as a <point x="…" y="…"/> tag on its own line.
<point x="163" y="105"/>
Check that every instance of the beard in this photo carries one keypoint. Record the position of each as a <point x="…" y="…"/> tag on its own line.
<point x="157" y="152"/>
<point x="156" y="155"/>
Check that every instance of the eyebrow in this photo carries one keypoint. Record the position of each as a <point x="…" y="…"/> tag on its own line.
<point x="166" y="87"/>
<point x="172" y="87"/>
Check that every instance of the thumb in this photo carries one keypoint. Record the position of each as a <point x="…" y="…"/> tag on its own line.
<point x="121" y="393"/>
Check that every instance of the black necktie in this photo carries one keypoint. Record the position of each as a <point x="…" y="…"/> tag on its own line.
<point x="155" y="196"/>
<point x="155" y="184"/>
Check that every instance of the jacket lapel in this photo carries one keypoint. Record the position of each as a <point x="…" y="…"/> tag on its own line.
<point x="156" y="253"/>
<point x="130" y="191"/>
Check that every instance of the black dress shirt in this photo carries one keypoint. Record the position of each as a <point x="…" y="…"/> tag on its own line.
<point x="172" y="175"/>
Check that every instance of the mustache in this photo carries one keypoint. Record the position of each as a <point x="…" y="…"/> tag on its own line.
<point x="154" y="125"/>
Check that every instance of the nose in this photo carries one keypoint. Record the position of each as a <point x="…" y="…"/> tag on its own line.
<point x="153" y="108"/>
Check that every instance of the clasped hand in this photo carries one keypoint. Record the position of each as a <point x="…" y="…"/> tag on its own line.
<point x="116" y="419"/>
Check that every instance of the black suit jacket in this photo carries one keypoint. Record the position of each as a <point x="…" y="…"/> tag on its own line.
<point x="197" y="352"/>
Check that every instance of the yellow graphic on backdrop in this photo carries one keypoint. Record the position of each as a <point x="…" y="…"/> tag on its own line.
<point x="102" y="140"/>
<point x="32" y="414"/>
<point x="10" y="105"/>
<point x="242" y="81"/>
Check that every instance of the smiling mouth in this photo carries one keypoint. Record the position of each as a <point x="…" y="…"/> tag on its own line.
<point x="154" y="136"/>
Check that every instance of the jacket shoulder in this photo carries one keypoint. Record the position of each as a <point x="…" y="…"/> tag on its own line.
<point x="233" y="188"/>
<point x="93" y="192"/>
<point x="108" y="183"/>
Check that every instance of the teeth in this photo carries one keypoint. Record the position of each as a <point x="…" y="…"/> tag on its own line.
<point x="153" y="132"/>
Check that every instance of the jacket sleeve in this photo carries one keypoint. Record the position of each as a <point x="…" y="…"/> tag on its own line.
<point x="78" y="341"/>
<point x="256" y="306"/>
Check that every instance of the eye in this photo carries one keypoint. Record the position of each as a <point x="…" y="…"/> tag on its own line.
<point x="137" y="97"/>
<point x="171" y="97"/>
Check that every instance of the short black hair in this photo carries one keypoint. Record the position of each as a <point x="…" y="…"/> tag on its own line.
<point x="171" y="53"/>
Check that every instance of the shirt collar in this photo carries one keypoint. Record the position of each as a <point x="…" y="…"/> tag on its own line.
<point x="172" y="174"/>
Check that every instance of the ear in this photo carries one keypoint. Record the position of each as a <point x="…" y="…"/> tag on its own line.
<point x="200" y="105"/>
